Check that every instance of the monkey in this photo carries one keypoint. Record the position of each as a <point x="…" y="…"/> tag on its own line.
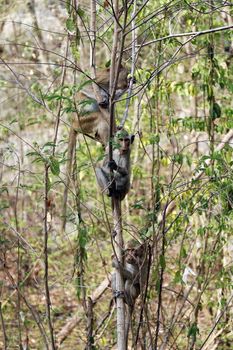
<point x="119" y="185"/>
<point x="92" y="118"/>
<point x="134" y="271"/>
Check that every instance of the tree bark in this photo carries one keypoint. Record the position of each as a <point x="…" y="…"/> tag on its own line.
<point x="118" y="247"/>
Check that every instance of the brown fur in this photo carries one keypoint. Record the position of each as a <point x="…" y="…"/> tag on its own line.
<point x="94" y="123"/>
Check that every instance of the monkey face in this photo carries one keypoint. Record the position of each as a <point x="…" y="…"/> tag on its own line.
<point x="134" y="254"/>
<point x="130" y="257"/>
<point x="124" y="145"/>
<point x="124" y="140"/>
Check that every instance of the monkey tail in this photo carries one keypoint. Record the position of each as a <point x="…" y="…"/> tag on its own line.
<point x="68" y="175"/>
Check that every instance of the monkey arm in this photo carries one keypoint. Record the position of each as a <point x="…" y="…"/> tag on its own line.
<point x="131" y="282"/>
<point x="131" y="289"/>
<point x="123" y="164"/>
<point x="104" y="103"/>
<point x="119" y="169"/>
<point x="127" y="275"/>
<point x="112" y="165"/>
<point x="122" y="170"/>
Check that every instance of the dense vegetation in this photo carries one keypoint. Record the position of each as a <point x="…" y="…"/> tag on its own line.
<point x="181" y="198"/>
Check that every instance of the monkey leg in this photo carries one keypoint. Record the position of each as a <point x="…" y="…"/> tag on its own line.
<point x="103" y="180"/>
<point x="102" y="131"/>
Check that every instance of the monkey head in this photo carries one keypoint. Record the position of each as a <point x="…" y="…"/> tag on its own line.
<point x="123" y="140"/>
<point x="123" y="80"/>
<point x="103" y="78"/>
<point x="134" y="252"/>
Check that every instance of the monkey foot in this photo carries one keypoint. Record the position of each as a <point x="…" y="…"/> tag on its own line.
<point x="114" y="233"/>
<point x="118" y="294"/>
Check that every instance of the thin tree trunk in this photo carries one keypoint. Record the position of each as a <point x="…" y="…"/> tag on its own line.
<point x="118" y="246"/>
<point x="116" y="204"/>
<point x="90" y="320"/>
<point x="3" y="328"/>
<point x="46" y="267"/>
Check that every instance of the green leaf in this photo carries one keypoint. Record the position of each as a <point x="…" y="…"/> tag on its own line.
<point x="86" y="102"/>
<point x="78" y="286"/>
<point x="77" y="37"/>
<point x="154" y="139"/>
<point x="108" y="64"/>
<point x="178" y="277"/>
<point x="13" y="121"/>
<point x="33" y="154"/>
<point x="162" y="261"/>
<point x="178" y="158"/>
<point x="193" y="331"/>
<point x="157" y="285"/>
<point x="38" y="160"/>
<point x="70" y="26"/>
<point x="54" y="166"/>
<point x="201" y="231"/>
<point x="80" y="12"/>
<point x="69" y="109"/>
<point x="53" y="97"/>
<point x="68" y="6"/>
<point x="49" y="144"/>
<point x="81" y="86"/>
<point x="215" y="111"/>
<point x="138" y="205"/>
<point x="183" y="252"/>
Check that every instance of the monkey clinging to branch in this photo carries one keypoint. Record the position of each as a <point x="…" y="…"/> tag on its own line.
<point x="117" y="183"/>
<point x="134" y="271"/>
<point x="90" y="119"/>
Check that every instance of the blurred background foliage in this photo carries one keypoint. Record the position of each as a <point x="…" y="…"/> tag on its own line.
<point x="180" y="110"/>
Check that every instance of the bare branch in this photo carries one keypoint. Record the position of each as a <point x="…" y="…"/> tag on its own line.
<point x="78" y="317"/>
<point x="180" y="35"/>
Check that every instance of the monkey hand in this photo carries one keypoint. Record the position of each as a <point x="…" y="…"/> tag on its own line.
<point x="134" y="80"/>
<point x="112" y="165"/>
<point x="104" y="103"/>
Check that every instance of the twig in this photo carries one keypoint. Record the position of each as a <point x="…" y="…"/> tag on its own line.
<point x="60" y="102"/>
<point x="217" y="322"/>
<point x="192" y="34"/>
<point x="3" y="328"/>
<point x="21" y="85"/>
<point x="226" y="139"/>
<point x="98" y="97"/>
<point x="162" y="268"/>
<point x="144" y="296"/>
<point x="90" y="319"/>
<point x="72" y="148"/>
<point x="16" y="229"/>
<point x="116" y="204"/>
<point x="108" y="316"/>
<point x="120" y="306"/>
<point x="46" y="267"/>
<point x="33" y="312"/>
<point x="78" y="317"/>
<point x="134" y="53"/>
